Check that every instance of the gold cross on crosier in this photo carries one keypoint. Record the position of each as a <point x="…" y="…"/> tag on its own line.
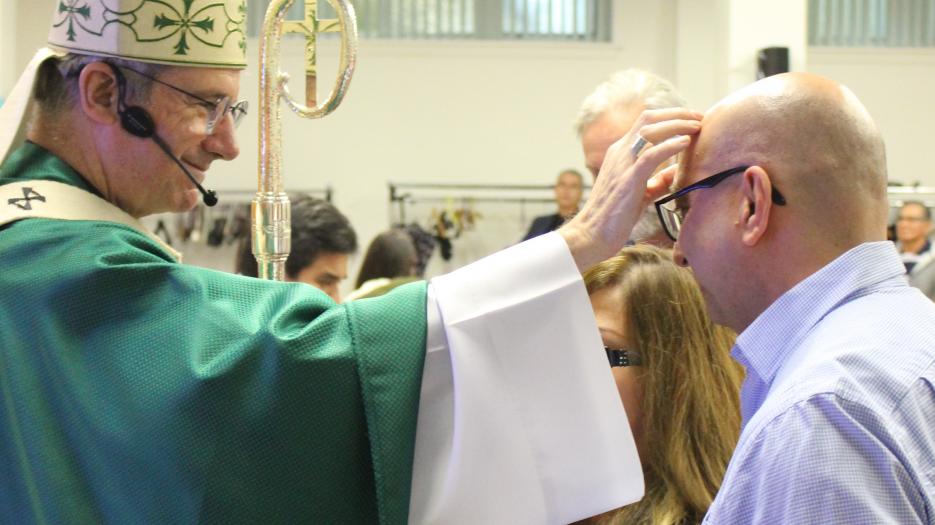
<point x="310" y="26"/>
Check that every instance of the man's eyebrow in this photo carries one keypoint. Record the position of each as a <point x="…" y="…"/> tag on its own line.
<point x="210" y="96"/>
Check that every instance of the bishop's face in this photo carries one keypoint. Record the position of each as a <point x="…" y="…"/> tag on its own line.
<point x="149" y="181"/>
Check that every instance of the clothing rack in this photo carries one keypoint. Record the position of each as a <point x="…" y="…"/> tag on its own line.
<point x="223" y="224"/>
<point x="246" y="196"/>
<point x="402" y="194"/>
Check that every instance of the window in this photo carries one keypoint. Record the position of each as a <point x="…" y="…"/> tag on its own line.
<point x="576" y="20"/>
<point x="878" y="23"/>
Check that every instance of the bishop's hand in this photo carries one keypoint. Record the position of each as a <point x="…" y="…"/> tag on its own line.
<point x="626" y="185"/>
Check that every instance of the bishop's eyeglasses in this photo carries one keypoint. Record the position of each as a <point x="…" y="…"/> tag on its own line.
<point x="217" y="110"/>
<point x="672" y="209"/>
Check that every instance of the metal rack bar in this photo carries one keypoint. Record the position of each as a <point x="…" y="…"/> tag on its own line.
<point x="403" y="193"/>
<point x="327" y="192"/>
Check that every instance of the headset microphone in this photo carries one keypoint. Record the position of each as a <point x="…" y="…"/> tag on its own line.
<point x="138" y="122"/>
<point x="209" y="197"/>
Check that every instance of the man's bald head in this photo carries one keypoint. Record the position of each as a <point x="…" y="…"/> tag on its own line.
<point x="808" y="138"/>
<point x="818" y="144"/>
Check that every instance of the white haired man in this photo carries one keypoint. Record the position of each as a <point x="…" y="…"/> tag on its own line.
<point x="608" y="113"/>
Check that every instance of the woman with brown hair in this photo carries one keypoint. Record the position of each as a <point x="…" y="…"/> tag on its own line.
<point x="676" y="379"/>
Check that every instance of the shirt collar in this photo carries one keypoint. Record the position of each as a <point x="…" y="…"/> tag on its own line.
<point x="764" y="346"/>
<point x="33" y="162"/>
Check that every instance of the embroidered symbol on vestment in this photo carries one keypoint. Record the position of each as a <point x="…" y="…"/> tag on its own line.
<point x="74" y="10"/>
<point x="25" y="203"/>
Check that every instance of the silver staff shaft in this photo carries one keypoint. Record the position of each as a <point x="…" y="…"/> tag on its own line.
<point x="270" y="211"/>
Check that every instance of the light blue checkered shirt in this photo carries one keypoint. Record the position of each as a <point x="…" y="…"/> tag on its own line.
<point x="839" y="401"/>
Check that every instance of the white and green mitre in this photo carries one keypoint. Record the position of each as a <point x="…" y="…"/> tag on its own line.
<point x="194" y="33"/>
<point x="200" y="33"/>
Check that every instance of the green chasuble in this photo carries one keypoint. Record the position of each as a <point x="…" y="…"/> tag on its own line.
<point x="136" y="389"/>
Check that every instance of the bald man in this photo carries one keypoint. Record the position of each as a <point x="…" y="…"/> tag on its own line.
<point x="780" y="211"/>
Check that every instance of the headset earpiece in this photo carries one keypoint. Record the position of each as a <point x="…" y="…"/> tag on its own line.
<point x="137" y="121"/>
<point x="134" y="119"/>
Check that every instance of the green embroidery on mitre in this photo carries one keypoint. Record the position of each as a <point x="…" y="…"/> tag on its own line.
<point x="206" y="33"/>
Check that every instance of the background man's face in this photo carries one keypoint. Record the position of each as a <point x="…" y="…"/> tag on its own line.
<point x="326" y="273"/>
<point x="568" y="191"/>
<point x="911" y="225"/>
<point x="600" y="134"/>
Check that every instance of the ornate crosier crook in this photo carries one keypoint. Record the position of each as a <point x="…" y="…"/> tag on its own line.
<point x="270" y="209"/>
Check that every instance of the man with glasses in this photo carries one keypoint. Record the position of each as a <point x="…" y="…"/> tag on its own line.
<point x="140" y="390"/>
<point x="913" y="230"/>
<point x="780" y="210"/>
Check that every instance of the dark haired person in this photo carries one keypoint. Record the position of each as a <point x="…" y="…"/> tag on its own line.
<point x="322" y="241"/>
<point x="391" y="260"/>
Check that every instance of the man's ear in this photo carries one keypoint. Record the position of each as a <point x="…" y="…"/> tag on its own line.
<point x="756" y="205"/>
<point x="98" y="93"/>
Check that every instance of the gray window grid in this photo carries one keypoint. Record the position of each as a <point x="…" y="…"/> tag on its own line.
<point x="871" y="23"/>
<point x="562" y="20"/>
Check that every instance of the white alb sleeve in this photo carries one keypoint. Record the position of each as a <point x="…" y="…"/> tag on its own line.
<point x="519" y="418"/>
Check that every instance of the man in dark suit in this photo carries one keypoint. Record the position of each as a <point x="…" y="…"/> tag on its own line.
<point x="568" y="189"/>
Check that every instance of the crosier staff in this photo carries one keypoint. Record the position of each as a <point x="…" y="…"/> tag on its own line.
<point x="270" y="212"/>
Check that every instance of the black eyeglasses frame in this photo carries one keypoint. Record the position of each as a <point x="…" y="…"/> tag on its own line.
<point x="707" y="182"/>
<point x="621" y="357"/>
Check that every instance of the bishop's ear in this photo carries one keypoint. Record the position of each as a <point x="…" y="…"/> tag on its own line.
<point x="98" y="93"/>
<point x="757" y="204"/>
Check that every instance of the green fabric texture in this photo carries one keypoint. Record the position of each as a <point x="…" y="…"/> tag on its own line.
<point x="134" y="389"/>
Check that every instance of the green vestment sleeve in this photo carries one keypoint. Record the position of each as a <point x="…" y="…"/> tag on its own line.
<point x="138" y="390"/>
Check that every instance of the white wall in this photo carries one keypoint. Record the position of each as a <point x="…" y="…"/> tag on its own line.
<point x="897" y="86"/>
<point x="757" y="24"/>
<point x="8" y="70"/>
<point x="24" y="26"/>
<point x="716" y="43"/>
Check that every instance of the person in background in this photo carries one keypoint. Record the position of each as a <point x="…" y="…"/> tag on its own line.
<point x="913" y="227"/>
<point x="913" y="230"/>
<point x="322" y="241"/>
<point x="568" y="190"/>
<point x="608" y="113"/>
<point x="390" y="261"/>
<point x="676" y="379"/>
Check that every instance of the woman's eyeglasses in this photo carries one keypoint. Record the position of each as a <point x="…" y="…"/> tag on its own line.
<point x="621" y="357"/>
